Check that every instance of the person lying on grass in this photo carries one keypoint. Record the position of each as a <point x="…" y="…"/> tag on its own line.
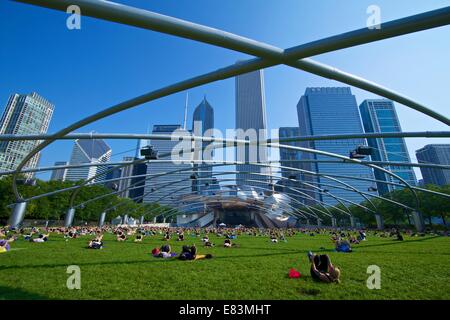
<point x="190" y="253"/>
<point x="228" y="244"/>
<point x="41" y="238"/>
<point x="343" y="246"/>
<point x="96" y="243"/>
<point x="322" y="269"/>
<point x="164" y="252"/>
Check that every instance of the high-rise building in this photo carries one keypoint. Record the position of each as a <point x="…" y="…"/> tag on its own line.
<point x="379" y="116"/>
<point x="132" y="188"/>
<point x="85" y="151"/>
<point x="290" y="159"/>
<point x="435" y="154"/>
<point x="166" y="188"/>
<point x="59" y="174"/>
<point x="251" y="120"/>
<point x="23" y="114"/>
<point x="324" y="111"/>
<point x="113" y="173"/>
<point x="202" y="124"/>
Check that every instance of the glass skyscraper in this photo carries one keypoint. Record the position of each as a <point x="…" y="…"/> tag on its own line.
<point x="291" y="159"/>
<point x="251" y="118"/>
<point x="203" y="120"/>
<point x="166" y="189"/>
<point x="325" y="111"/>
<point x="437" y="154"/>
<point x="379" y="115"/>
<point x="59" y="174"/>
<point x="95" y="151"/>
<point x="24" y="114"/>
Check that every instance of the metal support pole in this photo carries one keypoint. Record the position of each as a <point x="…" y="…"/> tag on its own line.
<point x="308" y="222"/>
<point x="69" y="217"/>
<point x="319" y="222"/>
<point x="125" y="219"/>
<point x="101" y="221"/>
<point x="333" y="222"/>
<point x="18" y="213"/>
<point x="418" y="221"/>
<point x="141" y="220"/>
<point x="154" y="220"/>
<point x="380" y="222"/>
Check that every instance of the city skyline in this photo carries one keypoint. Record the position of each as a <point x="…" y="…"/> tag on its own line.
<point x="77" y="93"/>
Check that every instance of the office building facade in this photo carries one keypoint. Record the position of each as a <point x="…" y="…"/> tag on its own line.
<point x="380" y="116"/>
<point x="24" y="114"/>
<point x="95" y="151"/>
<point x="202" y="125"/>
<point x="59" y="174"/>
<point x="325" y="111"/>
<point x="435" y="154"/>
<point x="251" y="121"/>
<point x="291" y="159"/>
<point x="166" y="188"/>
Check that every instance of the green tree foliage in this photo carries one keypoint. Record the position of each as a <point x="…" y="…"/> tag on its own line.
<point x="430" y="206"/>
<point x="55" y="207"/>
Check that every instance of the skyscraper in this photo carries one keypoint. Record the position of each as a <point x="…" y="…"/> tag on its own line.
<point x="59" y="174"/>
<point x="379" y="115"/>
<point x="24" y="114"/>
<point x="437" y="154"/>
<point x="323" y="111"/>
<point x="132" y="188"/>
<point x="203" y="121"/>
<point x="290" y="159"/>
<point x="165" y="189"/>
<point x="88" y="151"/>
<point x="251" y="120"/>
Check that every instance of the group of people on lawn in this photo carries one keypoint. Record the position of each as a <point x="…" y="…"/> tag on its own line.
<point x="321" y="268"/>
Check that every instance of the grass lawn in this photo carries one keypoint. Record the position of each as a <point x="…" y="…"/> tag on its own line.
<point x="417" y="268"/>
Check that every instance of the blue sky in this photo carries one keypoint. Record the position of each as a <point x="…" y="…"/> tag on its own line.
<point x="84" y="71"/>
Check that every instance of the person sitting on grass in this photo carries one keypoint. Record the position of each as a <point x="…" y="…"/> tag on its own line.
<point x="139" y="237"/>
<point x="190" y="253"/>
<point x="398" y="236"/>
<point x="362" y="236"/>
<point x="166" y="236"/>
<point x="4" y="245"/>
<point x="181" y="236"/>
<point x="322" y="269"/>
<point x="121" y="236"/>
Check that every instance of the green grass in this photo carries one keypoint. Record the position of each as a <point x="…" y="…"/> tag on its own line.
<point x="417" y="268"/>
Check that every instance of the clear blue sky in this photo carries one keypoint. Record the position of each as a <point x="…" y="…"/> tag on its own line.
<point x="84" y="71"/>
